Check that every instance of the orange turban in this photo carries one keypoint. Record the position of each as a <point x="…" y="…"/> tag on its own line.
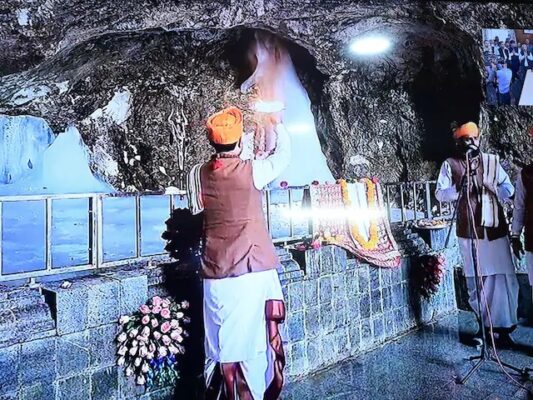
<point x="225" y="127"/>
<point x="469" y="129"/>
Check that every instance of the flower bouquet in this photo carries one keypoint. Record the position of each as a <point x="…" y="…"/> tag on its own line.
<point x="149" y="341"/>
<point x="429" y="274"/>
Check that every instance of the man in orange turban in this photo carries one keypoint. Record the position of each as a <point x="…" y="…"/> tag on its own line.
<point x="523" y="216"/>
<point x="481" y="185"/>
<point x="243" y="301"/>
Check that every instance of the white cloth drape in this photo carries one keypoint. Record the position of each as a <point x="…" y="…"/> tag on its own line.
<point x="235" y="325"/>
<point x="501" y="294"/>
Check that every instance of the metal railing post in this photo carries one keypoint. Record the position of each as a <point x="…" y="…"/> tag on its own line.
<point x="137" y="226"/>
<point x="402" y="202"/>
<point x="415" y="206"/>
<point x="387" y="199"/>
<point x="291" y="220"/>
<point x="48" y="233"/>
<point x="428" y="200"/>
<point x="1" y="238"/>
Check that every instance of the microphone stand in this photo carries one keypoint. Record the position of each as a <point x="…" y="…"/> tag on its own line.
<point x="485" y="353"/>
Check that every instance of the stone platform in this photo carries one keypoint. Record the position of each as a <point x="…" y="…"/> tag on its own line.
<point x="57" y="343"/>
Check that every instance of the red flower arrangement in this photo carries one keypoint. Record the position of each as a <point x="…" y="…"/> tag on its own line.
<point x="429" y="274"/>
<point x="283" y="184"/>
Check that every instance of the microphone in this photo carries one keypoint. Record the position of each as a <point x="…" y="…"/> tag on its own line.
<point x="472" y="152"/>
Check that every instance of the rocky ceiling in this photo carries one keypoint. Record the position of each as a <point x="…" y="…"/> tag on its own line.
<point x="175" y="62"/>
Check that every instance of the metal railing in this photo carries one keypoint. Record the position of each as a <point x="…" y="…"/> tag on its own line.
<point x="412" y="201"/>
<point x="278" y="206"/>
<point x="404" y="202"/>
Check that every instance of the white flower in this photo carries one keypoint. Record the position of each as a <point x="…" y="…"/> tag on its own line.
<point x="176" y="336"/>
<point x="165" y="303"/>
<point x="135" y="343"/>
<point x="141" y="380"/>
<point x="179" y="315"/>
<point x="173" y="349"/>
<point x="121" y="361"/>
<point x="150" y="356"/>
<point x="166" y="340"/>
<point x="122" y="337"/>
<point x="146" y="331"/>
<point x="129" y="371"/>
<point x="122" y="351"/>
<point x="157" y="335"/>
<point x="134" y="332"/>
<point x="133" y="351"/>
<point x="124" y="320"/>
<point x="137" y="361"/>
<point x="145" y="368"/>
<point x="162" y="351"/>
<point x="174" y="324"/>
<point x="143" y="351"/>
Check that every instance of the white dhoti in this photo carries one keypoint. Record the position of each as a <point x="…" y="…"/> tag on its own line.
<point x="500" y="285"/>
<point x="235" y="325"/>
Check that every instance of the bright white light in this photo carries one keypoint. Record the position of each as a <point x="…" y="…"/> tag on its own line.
<point x="301" y="127"/>
<point x="268" y="106"/>
<point x="370" y="45"/>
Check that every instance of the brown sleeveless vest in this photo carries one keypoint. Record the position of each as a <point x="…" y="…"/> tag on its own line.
<point x="527" y="179"/>
<point x="236" y="236"/>
<point x="474" y="191"/>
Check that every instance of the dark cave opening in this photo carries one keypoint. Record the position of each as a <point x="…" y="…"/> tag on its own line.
<point x="446" y="92"/>
<point x="236" y="50"/>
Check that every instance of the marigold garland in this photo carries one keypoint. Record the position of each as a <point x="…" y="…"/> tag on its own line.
<point x="372" y="242"/>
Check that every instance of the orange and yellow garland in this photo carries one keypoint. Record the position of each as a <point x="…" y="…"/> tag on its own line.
<point x="372" y="243"/>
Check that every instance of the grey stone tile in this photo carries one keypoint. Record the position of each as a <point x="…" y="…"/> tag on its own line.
<point x="296" y="296"/>
<point x="296" y="326"/>
<point x="104" y="384"/>
<point x="312" y="322"/>
<point x="74" y="388"/>
<point x="41" y="356"/>
<point x="364" y="279"/>
<point x="325" y="288"/>
<point x="102" y="345"/>
<point x="375" y="283"/>
<point x="103" y="301"/>
<point x="311" y="292"/>
<point x="72" y="354"/>
<point x="42" y="390"/>
<point x="10" y="363"/>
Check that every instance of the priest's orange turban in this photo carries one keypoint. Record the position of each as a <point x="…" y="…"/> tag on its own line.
<point x="225" y="127"/>
<point x="469" y="129"/>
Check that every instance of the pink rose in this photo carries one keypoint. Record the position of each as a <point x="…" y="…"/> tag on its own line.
<point x="156" y="301"/>
<point x="157" y="335"/>
<point x="155" y="324"/>
<point x="146" y="320"/>
<point x="165" y="313"/>
<point x="174" y="323"/>
<point x="156" y="309"/>
<point x="144" y="309"/>
<point x="165" y="327"/>
<point x="166" y="340"/>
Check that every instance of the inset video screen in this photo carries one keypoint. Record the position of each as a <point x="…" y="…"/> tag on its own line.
<point x="508" y="58"/>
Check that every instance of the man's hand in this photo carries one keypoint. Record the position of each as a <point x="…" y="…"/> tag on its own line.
<point x="516" y="245"/>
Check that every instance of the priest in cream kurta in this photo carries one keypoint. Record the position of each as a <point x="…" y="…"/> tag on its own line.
<point x="500" y="285"/>
<point x="235" y="293"/>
